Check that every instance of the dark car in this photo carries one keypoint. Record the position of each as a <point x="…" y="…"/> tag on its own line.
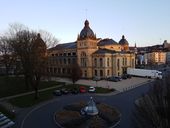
<point x="129" y="76"/>
<point x="74" y="91"/>
<point x="114" y="79"/>
<point x="64" y="91"/>
<point x="96" y="78"/>
<point x="118" y="77"/>
<point x="124" y="76"/>
<point x="57" y="93"/>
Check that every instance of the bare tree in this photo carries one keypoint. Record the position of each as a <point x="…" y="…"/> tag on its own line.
<point x="31" y="50"/>
<point x="153" y="108"/>
<point x="7" y="57"/>
<point x="48" y="38"/>
<point x="76" y="72"/>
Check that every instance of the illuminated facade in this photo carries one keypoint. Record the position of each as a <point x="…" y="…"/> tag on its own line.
<point x="96" y="57"/>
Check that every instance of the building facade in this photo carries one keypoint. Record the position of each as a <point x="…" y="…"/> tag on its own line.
<point x="96" y="57"/>
<point x="156" y="57"/>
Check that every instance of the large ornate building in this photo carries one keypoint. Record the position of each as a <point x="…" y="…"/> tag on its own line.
<point x="96" y="57"/>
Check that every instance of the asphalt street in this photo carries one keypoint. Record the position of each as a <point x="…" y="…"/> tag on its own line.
<point x="42" y="117"/>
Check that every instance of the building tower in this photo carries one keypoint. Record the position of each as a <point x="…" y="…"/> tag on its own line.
<point x="124" y="43"/>
<point x="86" y="45"/>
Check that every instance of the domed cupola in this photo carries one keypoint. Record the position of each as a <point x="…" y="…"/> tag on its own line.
<point x="123" y="41"/>
<point x="86" y="32"/>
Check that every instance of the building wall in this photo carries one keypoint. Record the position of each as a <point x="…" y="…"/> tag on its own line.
<point x="60" y="61"/>
<point x="156" y="57"/>
<point x="112" y="64"/>
<point x="85" y="49"/>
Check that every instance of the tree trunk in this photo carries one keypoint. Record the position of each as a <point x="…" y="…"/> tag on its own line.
<point x="36" y="93"/>
<point x="27" y="83"/>
<point x="37" y="82"/>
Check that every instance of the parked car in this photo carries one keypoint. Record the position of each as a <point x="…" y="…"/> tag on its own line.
<point x="92" y="89"/>
<point x="118" y="77"/>
<point x="124" y="76"/>
<point x="82" y="89"/>
<point x="129" y="76"/>
<point x="96" y="78"/>
<point x="74" y="91"/>
<point x="57" y="92"/>
<point x="113" y="79"/>
<point x="64" y="91"/>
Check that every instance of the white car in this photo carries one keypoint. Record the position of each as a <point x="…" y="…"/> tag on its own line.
<point x="92" y="89"/>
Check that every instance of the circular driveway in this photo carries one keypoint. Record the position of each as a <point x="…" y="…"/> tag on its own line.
<point x="42" y="116"/>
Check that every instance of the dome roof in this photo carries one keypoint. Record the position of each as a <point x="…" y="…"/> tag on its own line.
<point x="123" y="41"/>
<point x="87" y="32"/>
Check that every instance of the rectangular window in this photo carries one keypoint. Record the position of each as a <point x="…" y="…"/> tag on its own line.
<point x="63" y="70"/>
<point x="95" y="62"/>
<point x="59" y="70"/>
<point x="55" y="70"/>
<point x="69" y="61"/>
<point x="101" y="62"/>
<point x="108" y="62"/>
<point x="125" y="61"/>
<point x="118" y="64"/>
<point x="101" y="72"/>
<point x="95" y="72"/>
<point x="133" y="63"/>
<point x="108" y="72"/>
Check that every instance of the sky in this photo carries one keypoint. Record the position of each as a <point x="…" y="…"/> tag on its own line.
<point x="144" y="22"/>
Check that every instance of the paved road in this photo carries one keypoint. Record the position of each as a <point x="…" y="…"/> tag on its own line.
<point x="124" y="102"/>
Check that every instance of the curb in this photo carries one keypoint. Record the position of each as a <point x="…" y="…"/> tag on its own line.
<point x="56" y="121"/>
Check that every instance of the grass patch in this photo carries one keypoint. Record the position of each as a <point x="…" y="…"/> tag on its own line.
<point x="29" y="100"/>
<point x="16" y="85"/>
<point x="6" y="112"/>
<point x="104" y="90"/>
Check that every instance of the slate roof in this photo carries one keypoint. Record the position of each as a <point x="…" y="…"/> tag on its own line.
<point x="107" y="42"/>
<point x="104" y="51"/>
<point x="70" y="45"/>
<point x="87" y="32"/>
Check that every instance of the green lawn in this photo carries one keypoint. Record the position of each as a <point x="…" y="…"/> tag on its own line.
<point x="15" y="85"/>
<point x="29" y="100"/>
